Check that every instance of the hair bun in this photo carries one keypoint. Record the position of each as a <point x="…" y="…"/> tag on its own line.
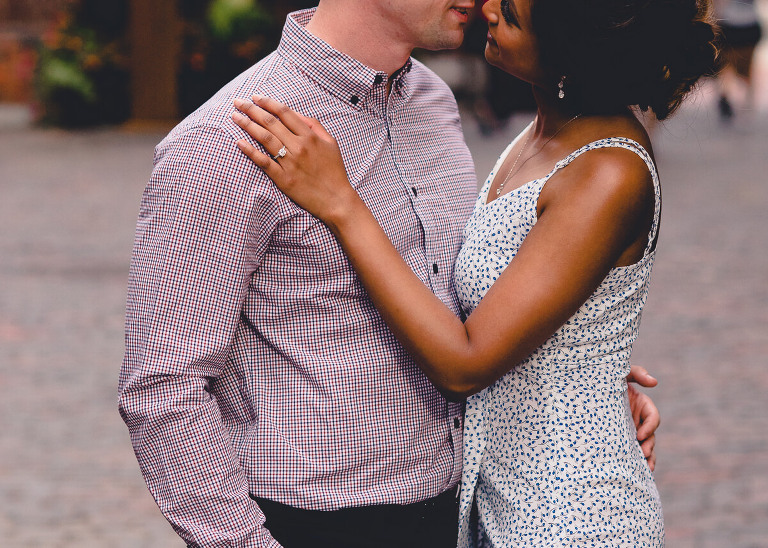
<point x="646" y="53"/>
<point x="695" y="55"/>
<point x="702" y="32"/>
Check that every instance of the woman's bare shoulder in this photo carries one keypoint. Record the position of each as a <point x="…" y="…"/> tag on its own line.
<point x="629" y="127"/>
<point x="606" y="176"/>
<point x="611" y="165"/>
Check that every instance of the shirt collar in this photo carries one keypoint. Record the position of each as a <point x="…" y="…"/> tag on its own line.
<point x="338" y="73"/>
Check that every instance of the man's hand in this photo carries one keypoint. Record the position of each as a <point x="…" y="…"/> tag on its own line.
<point x="644" y="412"/>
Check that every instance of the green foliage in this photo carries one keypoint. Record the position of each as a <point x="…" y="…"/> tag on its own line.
<point x="57" y="72"/>
<point x="221" y="39"/>
<point x="82" y="70"/>
<point x="234" y="20"/>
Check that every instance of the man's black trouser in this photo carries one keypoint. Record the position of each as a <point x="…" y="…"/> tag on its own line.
<point x="428" y="524"/>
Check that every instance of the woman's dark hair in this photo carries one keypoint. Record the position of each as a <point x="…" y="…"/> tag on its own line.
<point x="622" y="53"/>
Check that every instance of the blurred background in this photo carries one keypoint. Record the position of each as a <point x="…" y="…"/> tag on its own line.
<point x="88" y="87"/>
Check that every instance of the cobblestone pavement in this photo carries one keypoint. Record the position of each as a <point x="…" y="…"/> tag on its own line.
<point x="68" y="203"/>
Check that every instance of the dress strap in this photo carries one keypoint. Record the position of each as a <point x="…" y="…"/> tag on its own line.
<point x="637" y="148"/>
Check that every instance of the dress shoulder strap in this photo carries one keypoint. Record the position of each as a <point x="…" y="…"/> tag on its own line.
<point x="637" y="148"/>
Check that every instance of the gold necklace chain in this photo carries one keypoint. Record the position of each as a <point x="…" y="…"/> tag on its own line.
<point x="512" y="169"/>
<point x="528" y="138"/>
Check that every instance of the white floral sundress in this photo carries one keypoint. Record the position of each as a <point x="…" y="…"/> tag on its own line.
<point x="550" y="451"/>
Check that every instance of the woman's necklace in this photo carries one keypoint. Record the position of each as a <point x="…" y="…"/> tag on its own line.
<point x="519" y="154"/>
<point x="512" y="169"/>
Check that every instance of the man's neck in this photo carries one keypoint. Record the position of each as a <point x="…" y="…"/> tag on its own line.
<point x="356" y="31"/>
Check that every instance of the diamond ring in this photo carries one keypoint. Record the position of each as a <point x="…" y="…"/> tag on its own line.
<point x="280" y="154"/>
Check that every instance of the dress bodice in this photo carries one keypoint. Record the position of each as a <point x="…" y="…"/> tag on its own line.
<point x="605" y="327"/>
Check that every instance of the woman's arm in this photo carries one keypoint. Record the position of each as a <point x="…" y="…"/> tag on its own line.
<point x="588" y="216"/>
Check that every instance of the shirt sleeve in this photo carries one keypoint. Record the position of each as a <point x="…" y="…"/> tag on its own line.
<point x="205" y="217"/>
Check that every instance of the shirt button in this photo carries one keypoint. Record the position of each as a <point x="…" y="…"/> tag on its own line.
<point x="456" y="422"/>
<point x="354" y="99"/>
<point x="435" y="269"/>
<point x="378" y="80"/>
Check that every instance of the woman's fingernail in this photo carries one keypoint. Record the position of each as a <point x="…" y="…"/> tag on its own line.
<point x="258" y="98"/>
<point x="239" y="103"/>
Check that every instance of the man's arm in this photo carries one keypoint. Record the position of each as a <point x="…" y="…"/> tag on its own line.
<point x="197" y="242"/>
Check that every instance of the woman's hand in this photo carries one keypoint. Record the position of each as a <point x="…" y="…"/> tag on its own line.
<point x="305" y="161"/>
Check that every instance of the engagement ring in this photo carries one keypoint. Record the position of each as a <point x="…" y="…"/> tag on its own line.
<point x="280" y="154"/>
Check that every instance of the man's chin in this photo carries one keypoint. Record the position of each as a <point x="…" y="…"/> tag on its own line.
<point x="446" y="43"/>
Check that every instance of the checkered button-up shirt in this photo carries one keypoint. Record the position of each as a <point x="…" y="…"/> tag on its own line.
<point x="255" y="363"/>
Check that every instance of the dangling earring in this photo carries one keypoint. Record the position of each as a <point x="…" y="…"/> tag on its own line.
<point x="560" y="86"/>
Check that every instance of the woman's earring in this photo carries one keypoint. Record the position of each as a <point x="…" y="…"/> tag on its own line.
<point x="560" y="86"/>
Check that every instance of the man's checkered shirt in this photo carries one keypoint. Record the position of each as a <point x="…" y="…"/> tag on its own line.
<point x="255" y="362"/>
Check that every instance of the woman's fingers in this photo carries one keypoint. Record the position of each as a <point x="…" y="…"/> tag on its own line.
<point x="262" y="126"/>
<point x="266" y="163"/>
<point x="288" y="118"/>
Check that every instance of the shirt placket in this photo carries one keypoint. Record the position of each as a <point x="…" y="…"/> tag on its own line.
<point x="436" y="267"/>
